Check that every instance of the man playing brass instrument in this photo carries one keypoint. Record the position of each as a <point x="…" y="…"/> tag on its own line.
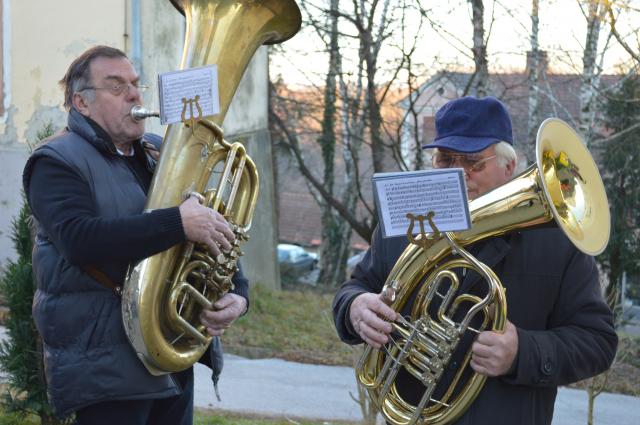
<point x="559" y="329"/>
<point x="87" y="189"/>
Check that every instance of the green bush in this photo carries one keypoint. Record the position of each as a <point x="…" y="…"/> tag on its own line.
<point x="21" y="356"/>
<point x="20" y="353"/>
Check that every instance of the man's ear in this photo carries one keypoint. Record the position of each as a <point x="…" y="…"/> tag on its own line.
<point x="510" y="168"/>
<point x="80" y="104"/>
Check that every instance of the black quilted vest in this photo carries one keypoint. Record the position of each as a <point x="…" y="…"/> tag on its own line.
<point x="88" y="357"/>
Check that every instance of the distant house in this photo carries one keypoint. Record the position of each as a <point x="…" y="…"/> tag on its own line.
<point x="558" y="97"/>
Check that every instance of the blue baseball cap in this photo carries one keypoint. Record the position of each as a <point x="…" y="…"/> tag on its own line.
<point x="472" y="124"/>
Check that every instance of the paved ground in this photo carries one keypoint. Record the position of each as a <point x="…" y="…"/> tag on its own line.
<point x="277" y="388"/>
<point x="273" y="387"/>
<point x="631" y="320"/>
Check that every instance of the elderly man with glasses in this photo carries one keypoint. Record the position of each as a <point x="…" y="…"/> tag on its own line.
<point x="559" y="329"/>
<point x="87" y="188"/>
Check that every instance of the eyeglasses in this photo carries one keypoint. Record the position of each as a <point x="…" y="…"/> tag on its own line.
<point x="118" y="89"/>
<point x="468" y="162"/>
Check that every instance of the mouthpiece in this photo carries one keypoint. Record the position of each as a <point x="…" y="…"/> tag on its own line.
<point x="139" y="113"/>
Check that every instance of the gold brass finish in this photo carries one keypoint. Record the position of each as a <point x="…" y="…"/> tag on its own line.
<point x="164" y="294"/>
<point x="193" y="119"/>
<point x="564" y="186"/>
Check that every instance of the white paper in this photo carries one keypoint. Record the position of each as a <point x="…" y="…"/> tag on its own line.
<point x="442" y="191"/>
<point x="188" y="83"/>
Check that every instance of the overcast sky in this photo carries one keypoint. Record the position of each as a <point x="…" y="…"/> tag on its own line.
<point x="562" y="35"/>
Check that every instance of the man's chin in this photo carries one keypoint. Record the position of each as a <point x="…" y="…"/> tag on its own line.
<point x="137" y="134"/>
<point x="132" y="137"/>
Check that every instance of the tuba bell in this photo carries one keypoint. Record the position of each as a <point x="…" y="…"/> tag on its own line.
<point x="563" y="188"/>
<point x="164" y="294"/>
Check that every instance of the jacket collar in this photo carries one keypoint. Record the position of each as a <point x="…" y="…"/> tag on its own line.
<point x="91" y="131"/>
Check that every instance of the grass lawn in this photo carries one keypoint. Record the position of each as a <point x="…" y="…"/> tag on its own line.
<point x="201" y="418"/>
<point x="226" y="418"/>
<point x="293" y="325"/>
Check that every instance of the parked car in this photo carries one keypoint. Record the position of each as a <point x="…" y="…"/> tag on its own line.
<point x="353" y="261"/>
<point x="296" y="258"/>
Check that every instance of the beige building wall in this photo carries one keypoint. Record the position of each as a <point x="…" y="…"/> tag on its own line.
<point x="42" y="37"/>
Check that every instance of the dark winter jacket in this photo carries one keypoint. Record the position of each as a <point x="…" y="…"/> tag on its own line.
<point x="565" y="329"/>
<point x="88" y="202"/>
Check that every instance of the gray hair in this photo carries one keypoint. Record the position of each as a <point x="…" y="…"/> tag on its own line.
<point x="78" y="77"/>
<point x="505" y="153"/>
<point x="80" y="87"/>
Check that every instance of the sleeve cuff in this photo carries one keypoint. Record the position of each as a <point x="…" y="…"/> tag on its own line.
<point x="169" y="222"/>
<point x="242" y="290"/>
<point x="241" y="286"/>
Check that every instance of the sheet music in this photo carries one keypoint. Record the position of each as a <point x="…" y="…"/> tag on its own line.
<point x="442" y="191"/>
<point x="188" y="83"/>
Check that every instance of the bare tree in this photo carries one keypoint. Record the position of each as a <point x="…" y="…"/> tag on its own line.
<point x="478" y="84"/>
<point x="353" y="98"/>
<point x="613" y="24"/>
<point x="533" y="80"/>
<point x="333" y="250"/>
<point x="590" y="72"/>
<point x="371" y="33"/>
<point x="481" y="74"/>
<point x="403" y="129"/>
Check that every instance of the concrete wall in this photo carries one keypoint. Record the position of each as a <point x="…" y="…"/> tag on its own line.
<point x="260" y="259"/>
<point x="151" y="32"/>
<point x="247" y="120"/>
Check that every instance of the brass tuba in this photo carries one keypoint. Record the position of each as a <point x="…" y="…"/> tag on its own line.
<point x="164" y="294"/>
<point x="564" y="186"/>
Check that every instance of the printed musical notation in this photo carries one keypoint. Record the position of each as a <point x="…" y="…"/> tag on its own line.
<point x="442" y="191"/>
<point x="186" y="84"/>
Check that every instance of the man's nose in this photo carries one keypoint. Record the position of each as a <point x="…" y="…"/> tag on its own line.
<point x="134" y="93"/>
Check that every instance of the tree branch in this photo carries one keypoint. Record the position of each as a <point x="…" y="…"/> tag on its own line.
<point x="292" y="143"/>
<point x="616" y="34"/>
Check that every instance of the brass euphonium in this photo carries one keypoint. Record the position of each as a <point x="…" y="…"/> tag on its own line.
<point x="164" y="294"/>
<point x="564" y="186"/>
